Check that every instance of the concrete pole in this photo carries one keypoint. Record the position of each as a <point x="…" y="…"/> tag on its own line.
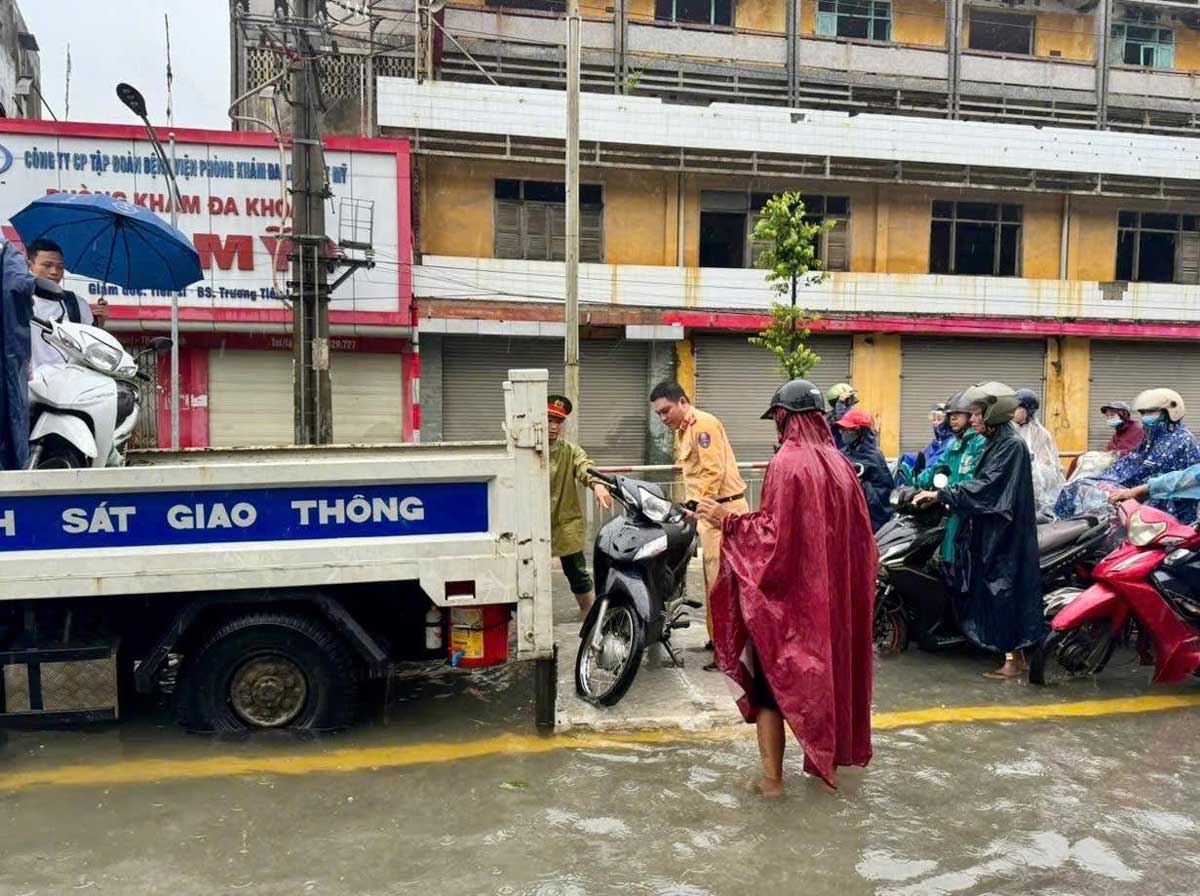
<point x="174" y="314"/>
<point x="571" y="347"/>
<point x="310" y="309"/>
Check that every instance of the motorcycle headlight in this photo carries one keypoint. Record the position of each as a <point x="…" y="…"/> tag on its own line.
<point x="652" y="548"/>
<point x="102" y="357"/>
<point x="655" y="508"/>
<point x="1142" y="533"/>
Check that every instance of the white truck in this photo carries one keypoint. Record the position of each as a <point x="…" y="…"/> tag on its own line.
<point x="265" y="587"/>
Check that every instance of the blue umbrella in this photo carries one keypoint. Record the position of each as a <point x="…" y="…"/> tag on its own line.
<point x="111" y="240"/>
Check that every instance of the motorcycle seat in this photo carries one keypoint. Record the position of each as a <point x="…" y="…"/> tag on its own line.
<point x="1061" y="533"/>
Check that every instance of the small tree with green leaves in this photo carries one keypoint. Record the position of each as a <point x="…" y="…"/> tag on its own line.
<point x="789" y="257"/>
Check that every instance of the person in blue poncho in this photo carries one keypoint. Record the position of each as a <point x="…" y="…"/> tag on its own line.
<point x="16" y="307"/>
<point x="1167" y="447"/>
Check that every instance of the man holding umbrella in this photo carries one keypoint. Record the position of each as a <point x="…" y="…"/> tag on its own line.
<point x="46" y="261"/>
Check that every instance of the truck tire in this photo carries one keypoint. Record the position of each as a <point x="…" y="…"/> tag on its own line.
<point x="268" y="670"/>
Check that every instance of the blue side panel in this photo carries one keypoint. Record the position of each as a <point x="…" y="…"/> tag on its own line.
<point x="55" y="522"/>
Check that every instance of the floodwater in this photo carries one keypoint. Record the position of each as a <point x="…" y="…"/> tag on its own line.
<point x="1062" y="806"/>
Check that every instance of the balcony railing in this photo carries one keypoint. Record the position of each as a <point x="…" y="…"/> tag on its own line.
<point x="854" y="294"/>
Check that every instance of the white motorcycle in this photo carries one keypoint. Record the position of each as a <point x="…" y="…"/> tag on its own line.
<point x="84" y="413"/>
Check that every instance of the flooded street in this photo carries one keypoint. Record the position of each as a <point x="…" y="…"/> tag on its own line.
<point x="455" y="792"/>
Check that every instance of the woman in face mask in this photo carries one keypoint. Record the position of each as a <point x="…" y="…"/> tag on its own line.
<point x="1167" y="446"/>
<point x="1127" y="433"/>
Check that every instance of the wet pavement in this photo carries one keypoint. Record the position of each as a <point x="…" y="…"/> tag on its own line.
<point x="1076" y="805"/>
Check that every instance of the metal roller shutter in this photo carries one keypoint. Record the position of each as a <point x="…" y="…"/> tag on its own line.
<point x="250" y="398"/>
<point x="612" y="387"/>
<point x="368" y="398"/>
<point x="1121" y="370"/>
<point x="935" y="368"/>
<point x="735" y="380"/>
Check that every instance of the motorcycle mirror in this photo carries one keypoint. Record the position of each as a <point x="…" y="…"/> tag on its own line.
<point x="894" y="497"/>
<point x="160" y="344"/>
<point x="47" y="289"/>
<point x="941" y="480"/>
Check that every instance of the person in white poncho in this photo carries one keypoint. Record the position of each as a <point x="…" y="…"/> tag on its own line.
<point x="1048" y="478"/>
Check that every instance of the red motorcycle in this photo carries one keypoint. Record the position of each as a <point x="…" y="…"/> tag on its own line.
<point x="1152" y="581"/>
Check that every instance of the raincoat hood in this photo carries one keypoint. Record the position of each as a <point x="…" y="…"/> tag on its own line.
<point x="16" y="307"/>
<point x="796" y="588"/>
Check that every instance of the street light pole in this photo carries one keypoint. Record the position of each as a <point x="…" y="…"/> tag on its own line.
<point x="136" y="103"/>
<point x="571" y="346"/>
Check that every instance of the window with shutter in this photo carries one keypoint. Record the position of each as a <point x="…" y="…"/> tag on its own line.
<point x="836" y="256"/>
<point x="591" y="233"/>
<point x="508" y="242"/>
<point x="1187" y="259"/>
<point x="530" y="221"/>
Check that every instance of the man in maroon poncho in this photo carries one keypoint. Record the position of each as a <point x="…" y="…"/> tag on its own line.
<point x="792" y="608"/>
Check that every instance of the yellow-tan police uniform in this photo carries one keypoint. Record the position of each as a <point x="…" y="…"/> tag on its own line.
<point x="703" y="452"/>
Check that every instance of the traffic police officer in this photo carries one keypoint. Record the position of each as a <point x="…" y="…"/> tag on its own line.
<point x="569" y="465"/>
<point x="703" y="453"/>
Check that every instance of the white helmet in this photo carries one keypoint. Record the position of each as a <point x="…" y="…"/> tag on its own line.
<point x="1160" y="400"/>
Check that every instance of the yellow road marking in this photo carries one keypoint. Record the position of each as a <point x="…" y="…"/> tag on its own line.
<point x="144" y="771"/>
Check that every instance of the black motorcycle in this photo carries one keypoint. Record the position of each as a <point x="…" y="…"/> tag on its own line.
<point x="640" y="563"/>
<point x="911" y="600"/>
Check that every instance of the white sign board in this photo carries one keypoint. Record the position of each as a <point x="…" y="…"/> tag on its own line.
<point x="232" y="209"/>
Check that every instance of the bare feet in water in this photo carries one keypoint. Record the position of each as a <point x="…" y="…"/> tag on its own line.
<point x="767" y="788"/>
<point x="1014" y="666"/>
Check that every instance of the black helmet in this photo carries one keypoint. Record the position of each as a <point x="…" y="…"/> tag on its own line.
<point x="796" y="396"/>
<point x="1027" y="399"/>
<point x="958" y="404"/>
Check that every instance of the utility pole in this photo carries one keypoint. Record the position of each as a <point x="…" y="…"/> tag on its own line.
<point x="571" y="347"/>
<point x="310" y="306"/>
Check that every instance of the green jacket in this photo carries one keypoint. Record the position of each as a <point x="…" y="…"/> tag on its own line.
<point x="570" y="467"/>
<point x="959" y="464"/>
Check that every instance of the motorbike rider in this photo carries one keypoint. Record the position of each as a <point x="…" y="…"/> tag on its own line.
<point x="1127" y="432"/>
<point x="840" y="398"/>
<point x="793" y="604"/>
<point x="46" y="260"/>
<point x="860" y="444"/>
<point x="958" y="463"/>
<point x="1048" y="479"/>
<point x="1167" y="447"/>
<point x="999" y="583"/>
<point x="569" y="464"/>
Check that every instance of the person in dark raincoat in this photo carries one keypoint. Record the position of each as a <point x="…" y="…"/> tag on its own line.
<point x="841" y="398"/>
<point x="16" y="307"/>
<point x="794" y="599"/>
<point x="860" y="444"/>
<point x="1167" y="447"/>
<point x="996" y="571"/>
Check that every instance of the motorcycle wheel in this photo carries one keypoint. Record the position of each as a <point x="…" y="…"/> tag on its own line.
<point x="890" y="628"/>
<point x="1077" y="652"/>
<point x="603" y="674"/>
<point x="55" y="453"/>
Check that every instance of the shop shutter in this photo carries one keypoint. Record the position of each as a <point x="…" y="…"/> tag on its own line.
<point x="735" y="381"/>
<point x="249" y="398"/>
<point x="935" y="368"/>
<point x="613" y="390"/>
<point x="1122" y="370"/>
<point x="368" y="398"/>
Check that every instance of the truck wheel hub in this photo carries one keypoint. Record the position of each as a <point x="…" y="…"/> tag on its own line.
<point x="268" y="692"/>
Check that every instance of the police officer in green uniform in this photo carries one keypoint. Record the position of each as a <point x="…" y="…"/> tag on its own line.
<point x="570" y="467"/>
